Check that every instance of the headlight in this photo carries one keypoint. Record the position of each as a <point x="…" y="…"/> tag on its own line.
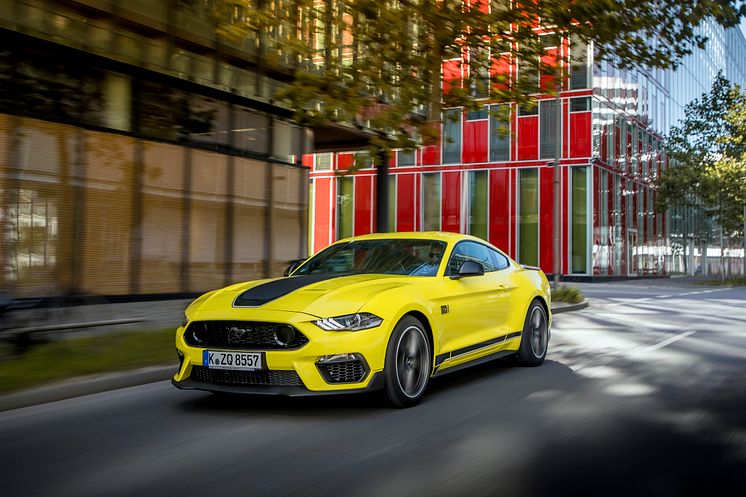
<point x="350" y="322"/>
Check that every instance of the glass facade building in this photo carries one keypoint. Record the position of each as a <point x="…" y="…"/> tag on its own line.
<point x="494" y="178"/>
<point x="141" y="152"/>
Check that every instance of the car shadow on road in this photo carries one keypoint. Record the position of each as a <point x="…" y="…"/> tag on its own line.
<point x="491" y="376"/>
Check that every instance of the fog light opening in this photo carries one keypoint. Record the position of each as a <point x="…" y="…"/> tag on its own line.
<point x="337" y="358"/>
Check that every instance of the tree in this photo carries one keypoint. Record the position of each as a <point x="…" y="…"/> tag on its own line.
<point x="379" y="61"/>
<point x="378" y="64"/>
<point x="708" y="156"/>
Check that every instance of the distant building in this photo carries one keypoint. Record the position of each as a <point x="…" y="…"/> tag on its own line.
<point x="141" y="152"/>
<point x="499" y="186"/>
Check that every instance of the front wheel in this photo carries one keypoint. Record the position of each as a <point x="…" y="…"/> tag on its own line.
<point x="535" y="338"/>
<point x="408" y="363"/>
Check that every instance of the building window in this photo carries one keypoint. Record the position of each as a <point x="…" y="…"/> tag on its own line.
<point x="477" y="216"/>
<point x="405" y="158"/>
<point x="252" y="131"/>
<point x="431" y="201"/>
<point x="528" y="74"/>
<point x="528" y="225"/>
<point x="363" y="160"/>
<point x="477" y="115"/>
<point x="345" y="187"/>
<point x="479" y="81"/>
<point x="580" y="104"/>
<point x="579" y="220"/>
<point x="118" y="102"/>
<point x="206" y="120"/>
<point x="548" y="132"/>
<point x="452" y="137"/>
<point x="500" y="134"/>
<point x="578" y="64"/>
<point x="531" y="109"/>
<point x="617" y="223"/>
<point x="323" y="162"/>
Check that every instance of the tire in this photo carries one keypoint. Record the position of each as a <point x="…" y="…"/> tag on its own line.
<point x="408" y="363"/>
<point x="535" y="337"/>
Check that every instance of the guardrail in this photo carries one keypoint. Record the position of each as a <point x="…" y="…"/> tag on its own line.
<point x="22" y="320"/>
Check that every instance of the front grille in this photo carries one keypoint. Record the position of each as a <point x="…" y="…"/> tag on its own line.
<point x="244" y="335"/>
<point x="248" y="378"/>
<point x="343" y="372"/>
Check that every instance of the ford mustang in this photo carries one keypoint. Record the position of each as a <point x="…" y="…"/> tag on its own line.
<point x="375" y="312"/>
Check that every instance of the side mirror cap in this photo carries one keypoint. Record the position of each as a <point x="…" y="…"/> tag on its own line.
<point x="469" y="268"/>
<point x="293" y="266"/>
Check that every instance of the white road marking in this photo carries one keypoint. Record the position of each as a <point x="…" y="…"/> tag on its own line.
<point x="668" y="341"/>
<point x="656" y="297"/>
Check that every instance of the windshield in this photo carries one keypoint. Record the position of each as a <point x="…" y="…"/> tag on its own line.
<point x="392" y="256"/>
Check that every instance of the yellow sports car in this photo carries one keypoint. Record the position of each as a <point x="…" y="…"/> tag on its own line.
<point x="383" y="311"/>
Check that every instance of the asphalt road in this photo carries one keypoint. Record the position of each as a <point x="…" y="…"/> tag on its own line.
<point x="643" y="393"/>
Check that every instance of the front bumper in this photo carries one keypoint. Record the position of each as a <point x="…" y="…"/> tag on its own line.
<point x="375" y="383"/>
<point x="370" y="344"/>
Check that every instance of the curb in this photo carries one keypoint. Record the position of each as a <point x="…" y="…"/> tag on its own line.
<point x="569" y="307"/>
<point x="77" y="387"/>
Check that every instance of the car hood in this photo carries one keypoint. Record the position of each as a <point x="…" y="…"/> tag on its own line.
<point x="317" y="295"/>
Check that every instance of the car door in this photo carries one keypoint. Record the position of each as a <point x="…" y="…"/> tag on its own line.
<point x="475" y="306"/>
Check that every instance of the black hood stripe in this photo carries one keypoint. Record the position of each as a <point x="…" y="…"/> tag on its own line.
<point x="267" y="292"/>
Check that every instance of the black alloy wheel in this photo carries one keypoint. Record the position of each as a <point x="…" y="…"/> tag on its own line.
<point x="535" y="337"/>
<point x="408" y="363"/>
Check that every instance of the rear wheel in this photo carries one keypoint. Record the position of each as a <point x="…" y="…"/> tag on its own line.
<point x="535" y="338"/>
<point x="408" y="363"/>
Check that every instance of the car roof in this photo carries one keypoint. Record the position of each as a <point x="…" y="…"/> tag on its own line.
<point x="417" y="235"/>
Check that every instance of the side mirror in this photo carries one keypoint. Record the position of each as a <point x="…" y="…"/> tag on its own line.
<point x="469" y="268"/>
<point x="293" y="266"/>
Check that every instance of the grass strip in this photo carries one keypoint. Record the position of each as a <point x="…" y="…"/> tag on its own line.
<point x="569" y="294"/>
<point x="71" y="357"/>
<point x="735" y="281"/>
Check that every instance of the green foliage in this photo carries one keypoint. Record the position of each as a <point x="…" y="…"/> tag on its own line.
<point x="72" y="357"/>
<point x="378" y="62"/>
<point x="708" y="155"/>
<point x="569" y="294"/>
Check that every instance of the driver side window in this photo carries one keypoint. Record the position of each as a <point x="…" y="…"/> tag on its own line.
<point x="470" y="251"/>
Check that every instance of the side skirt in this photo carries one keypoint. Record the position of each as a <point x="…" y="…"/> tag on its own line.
<point x="481" y="360"/>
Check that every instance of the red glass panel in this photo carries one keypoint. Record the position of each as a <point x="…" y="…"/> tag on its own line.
<point x="405" y="202"/>
<point x="501" y="69"/>
<point x="548" y="79"/>
<point x="546" y="219"/>
<point x="528" y="138"/>
<point x="475" y="145"/>
<point x="323" y="213"/>
<point x="363" y="198"/>
<point x="513" y="214"/>
<point x="580" y="134"/>
<point x="345" y="161"/>
<point x="451" y="212"/>
<point x="566" y="128"/>
<point x="565" y="216"/>
<point x="451" y="75"/>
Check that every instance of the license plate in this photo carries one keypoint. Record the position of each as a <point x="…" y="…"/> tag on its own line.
<point x="245" y="361"/>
